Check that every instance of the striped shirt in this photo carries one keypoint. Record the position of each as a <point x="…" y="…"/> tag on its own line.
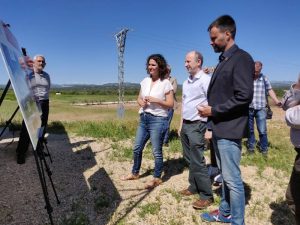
<point x="40" y="85"/>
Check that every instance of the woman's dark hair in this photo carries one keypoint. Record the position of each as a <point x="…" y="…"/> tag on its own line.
<point x="162" y="65"/>
<point x="224" y="23"/>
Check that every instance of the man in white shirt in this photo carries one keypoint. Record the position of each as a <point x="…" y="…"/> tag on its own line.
<point x="192" y="130"/>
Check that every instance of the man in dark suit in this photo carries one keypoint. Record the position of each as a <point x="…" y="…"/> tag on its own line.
<point x="229" y="94"/>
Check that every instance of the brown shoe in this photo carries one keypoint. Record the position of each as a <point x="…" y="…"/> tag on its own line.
<point x="153" y="183"/>
<point x="131" y="177"/>
<point x="186" y="192"/>
<point x="202" y="204"/>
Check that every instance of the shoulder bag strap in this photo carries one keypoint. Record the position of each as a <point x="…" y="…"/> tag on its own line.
<point x="266" y="91"/>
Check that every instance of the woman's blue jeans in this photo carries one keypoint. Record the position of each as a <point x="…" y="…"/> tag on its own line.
<point x="152" y="127"/>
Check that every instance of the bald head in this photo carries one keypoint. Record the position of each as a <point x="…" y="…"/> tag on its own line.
<point x="193" y="62"/>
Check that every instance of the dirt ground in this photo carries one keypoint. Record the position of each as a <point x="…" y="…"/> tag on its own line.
<point x="88" y="186"/>
<point x="83" y="175"/>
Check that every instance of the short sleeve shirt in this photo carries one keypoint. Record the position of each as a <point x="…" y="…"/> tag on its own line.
<point x="40" y="84"/>
<point x="158" y="90"/>
<point x="261" y="84"/>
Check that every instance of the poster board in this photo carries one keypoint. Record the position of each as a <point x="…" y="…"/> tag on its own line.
<point x="18" y="74"/>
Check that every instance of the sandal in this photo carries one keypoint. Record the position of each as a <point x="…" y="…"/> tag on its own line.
<point x="153" y="183"/>
<point x="130" y="177"/>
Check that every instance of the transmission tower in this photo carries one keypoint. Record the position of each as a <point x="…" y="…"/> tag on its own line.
<point x="121" y="38"/>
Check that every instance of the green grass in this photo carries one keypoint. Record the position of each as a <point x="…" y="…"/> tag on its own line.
<point x="102" y="201"/>
<point x="89" y="98"/>
<point x="7" y="109"/>
<point x="105" y="124"/>
<point x="76" y="219"/>
<point x="121" y="153"/>
<point x="115" y="130"/>
<point x="175" y="194"/>
<point x="281" y="154"/>
<point x="149" y="208"/>
<point x="176" y="221"/>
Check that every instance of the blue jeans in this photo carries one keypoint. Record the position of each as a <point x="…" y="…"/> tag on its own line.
<point x="261" y="124"/>
<point x="170" y="116"/>
<point x="150" y="127"/>
<point x="228" y="155"/>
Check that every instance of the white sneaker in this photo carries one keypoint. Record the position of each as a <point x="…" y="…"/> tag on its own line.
<point x="218" y="178"/>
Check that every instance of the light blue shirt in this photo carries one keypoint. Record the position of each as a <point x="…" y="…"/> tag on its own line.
<point x="194" y="93"/>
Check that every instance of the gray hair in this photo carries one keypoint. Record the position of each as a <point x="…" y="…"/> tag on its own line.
<point x="39" y="55"/>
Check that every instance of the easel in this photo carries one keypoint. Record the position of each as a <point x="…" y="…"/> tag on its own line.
<point x="42" y="166"/>
<point x="39" y="156"/>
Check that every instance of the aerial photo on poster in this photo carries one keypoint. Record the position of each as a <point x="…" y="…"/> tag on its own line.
<point x="18" y="73"/>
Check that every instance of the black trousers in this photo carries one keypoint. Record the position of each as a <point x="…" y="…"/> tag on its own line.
<point x="24" y="139"/>
<point x="293" y="190"/>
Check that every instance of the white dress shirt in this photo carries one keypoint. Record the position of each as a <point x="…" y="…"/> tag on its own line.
<point x="194" y="93"/>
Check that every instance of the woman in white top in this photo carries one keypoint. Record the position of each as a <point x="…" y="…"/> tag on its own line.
<point x="155" y="98"/>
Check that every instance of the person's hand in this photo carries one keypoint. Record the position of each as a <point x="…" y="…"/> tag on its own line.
<point x="279" y="104"/>
<point x="208" y="135"/>
<point x="143" y="103"/>
<point x="204" y="111"/>
<point x="208" y="70"/>
<point x="178" y="132"/>
<point x="151" y="99"/>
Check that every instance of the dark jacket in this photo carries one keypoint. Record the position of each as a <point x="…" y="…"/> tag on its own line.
<point x="230" y="92"/>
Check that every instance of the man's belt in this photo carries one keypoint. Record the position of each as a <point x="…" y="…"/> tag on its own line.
<point x="191" y="122"/>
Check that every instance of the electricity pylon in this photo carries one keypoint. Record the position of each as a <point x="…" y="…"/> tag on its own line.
<point x="121" y="38"/>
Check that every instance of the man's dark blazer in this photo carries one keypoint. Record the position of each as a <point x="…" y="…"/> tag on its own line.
<point x="229" y="94"/>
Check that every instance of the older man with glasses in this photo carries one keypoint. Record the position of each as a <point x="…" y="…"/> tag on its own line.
<point x="40" y="84"/>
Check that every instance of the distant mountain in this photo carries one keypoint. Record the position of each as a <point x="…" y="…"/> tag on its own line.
<point x="275" y="84"/>
<point x="94" y="86"/>
<point x="282" y="84"/>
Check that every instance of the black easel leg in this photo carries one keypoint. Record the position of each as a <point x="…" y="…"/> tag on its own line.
<point x="48" y="153"/>
<point x="41" y="155"/>
<point x="43" y="184"/>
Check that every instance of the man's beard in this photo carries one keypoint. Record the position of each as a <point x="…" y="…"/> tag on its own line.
<point x="218" y="49"/>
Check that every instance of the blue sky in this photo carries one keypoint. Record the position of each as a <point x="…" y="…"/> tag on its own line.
<point x="77" y="36"/>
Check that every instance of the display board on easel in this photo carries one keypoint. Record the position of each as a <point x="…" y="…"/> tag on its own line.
<point x="18" y="74"/>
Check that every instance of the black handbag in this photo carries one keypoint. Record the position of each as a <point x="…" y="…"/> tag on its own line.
<point x="269" y="112"/>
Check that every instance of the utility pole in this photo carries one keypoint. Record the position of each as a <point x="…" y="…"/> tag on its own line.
<point x="121" y="38"/>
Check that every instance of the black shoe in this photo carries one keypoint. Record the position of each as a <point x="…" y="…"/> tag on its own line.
<point x="20" y="158"/>
<point x="250" y="152"/>
<point x="265" y="155"/>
